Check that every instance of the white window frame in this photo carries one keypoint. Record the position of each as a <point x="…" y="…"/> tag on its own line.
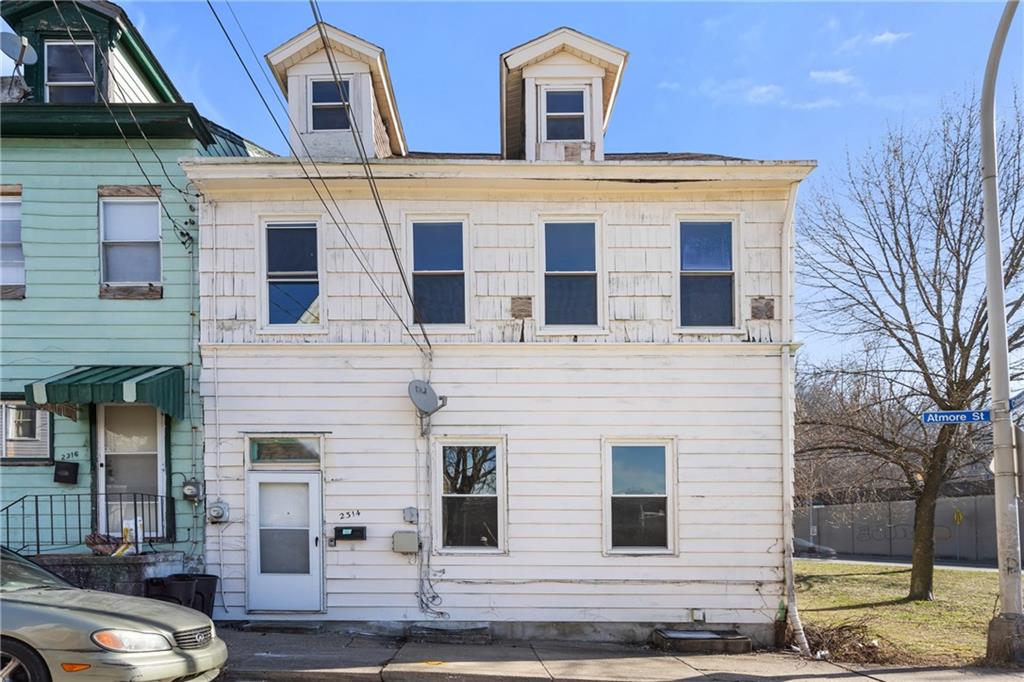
<point x="736" y="219"/>
<point x="671" y="503"/>
<point x="297" y="219"/>
<point x="437" y="489"/>
<point x="564" y="87"/>
<point x="16" y="201"/>
<point x="347" y="80"/>
<point x="284" y="466"/>
<point x="543" y="328"/>
<point x="161" y="467"/>
<point x="158" y="208"/>
<point x="10" y="408"/>
<point x="46" y="70"/>
<point x="409" y="262"/>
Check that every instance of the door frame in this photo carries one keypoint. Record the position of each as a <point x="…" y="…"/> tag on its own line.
<point x="253" y="477"/>
<point x="101" y="466"/>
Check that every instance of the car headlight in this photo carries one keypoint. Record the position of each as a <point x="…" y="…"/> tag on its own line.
<point x="130" y="641"/>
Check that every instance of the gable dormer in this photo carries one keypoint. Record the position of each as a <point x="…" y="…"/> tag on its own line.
<point x="324" y="117"/>
<point x="557" y="93"/>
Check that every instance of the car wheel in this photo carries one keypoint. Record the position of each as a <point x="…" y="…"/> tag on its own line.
<point x="19" y="663"/>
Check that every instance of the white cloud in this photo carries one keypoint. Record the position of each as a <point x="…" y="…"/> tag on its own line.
<point x="822" y="103"/>
<point x="835" y="77"/>
<point x="758" y="94"/>
<point x="850" y="44"/>
<point x="888" y="38"/>
<point x="832" y="24"/>
<point x="668" y="85"/>
<point x="763" y="94"/>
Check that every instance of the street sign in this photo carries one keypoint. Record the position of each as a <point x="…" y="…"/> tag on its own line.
<point x="1016" y="401"/>
<point x="956" y="417"/>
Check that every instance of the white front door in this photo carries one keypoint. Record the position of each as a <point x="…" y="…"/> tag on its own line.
<point x="284" y="526"/>
<point x="133" y="474"/>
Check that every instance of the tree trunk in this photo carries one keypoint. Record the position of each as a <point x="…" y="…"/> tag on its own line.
<point x="923" y="552"/>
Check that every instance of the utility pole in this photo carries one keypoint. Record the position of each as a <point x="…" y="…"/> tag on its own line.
<point x="1005" y="631"/>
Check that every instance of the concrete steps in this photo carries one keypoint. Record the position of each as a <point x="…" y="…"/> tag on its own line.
<point x="701" y="641"/>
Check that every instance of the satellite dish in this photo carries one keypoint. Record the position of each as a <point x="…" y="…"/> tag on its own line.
<point x="17" y="48"/>
<point x="424" y="398"/>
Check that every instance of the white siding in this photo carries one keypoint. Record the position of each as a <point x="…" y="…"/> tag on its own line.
<point x="126" y="85"/>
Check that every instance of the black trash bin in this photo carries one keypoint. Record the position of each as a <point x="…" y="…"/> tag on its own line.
<point x="177" y="589"/>
<point x="206" y="588"/>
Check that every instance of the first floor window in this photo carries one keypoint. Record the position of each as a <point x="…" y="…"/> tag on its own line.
<point x="293" y="280"/>
<point x="329" y="105"/>
<point x="25" y="431"/>
<point x="639" y="501"/>
<point x="706" y="274"/>
<point x="12" y="257"/>
<point x="69" y="72"/>
<point x="438" y="273"/>
<point x="130" y="230"/>
<point x="470" y="491"/>
<point x="285" y="450"/>
<point x="570" y="274"/>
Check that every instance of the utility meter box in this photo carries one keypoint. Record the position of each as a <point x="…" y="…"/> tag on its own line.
<point x="405" y="542"/>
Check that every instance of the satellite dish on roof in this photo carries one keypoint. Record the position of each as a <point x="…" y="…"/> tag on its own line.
<point x="17" y="48"/>
<point x="424" y="398"/>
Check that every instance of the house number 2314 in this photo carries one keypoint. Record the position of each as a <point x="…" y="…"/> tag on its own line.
<point x="349" y="514"/>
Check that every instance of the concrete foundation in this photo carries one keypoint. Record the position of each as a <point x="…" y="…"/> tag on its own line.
<point x="123" y="575"/>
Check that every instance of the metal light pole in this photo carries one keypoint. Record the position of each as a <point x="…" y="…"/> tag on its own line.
<point x="1005" y="631"/>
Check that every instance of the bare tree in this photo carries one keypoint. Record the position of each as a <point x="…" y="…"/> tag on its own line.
<point x="893" y="253"/>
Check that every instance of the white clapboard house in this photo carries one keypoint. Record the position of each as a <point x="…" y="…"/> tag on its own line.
<point x="611" y="334"/>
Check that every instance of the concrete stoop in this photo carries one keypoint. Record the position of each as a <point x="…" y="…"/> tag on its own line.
<point x="701" y="641"/>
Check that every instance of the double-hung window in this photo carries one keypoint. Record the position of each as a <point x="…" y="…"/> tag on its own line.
<point x="293" y="280"/>
<point x="707" y="277"/>
<point x="638" y="509"/>
<point x="565" y="115"/>
<point x="570" y="274"/>
<point x="438" y="273"/>
<point x="25" y="432"/>
<point x="130" y="231"/>
<point x="70" y="70"/>
<point x="12" y="257"/>
<point x="471" y="496"/>
<point x="329" y="109"/>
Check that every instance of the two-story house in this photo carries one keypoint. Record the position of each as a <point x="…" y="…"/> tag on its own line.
<point x="98" y="287"/>
<point x="611" y="334"/>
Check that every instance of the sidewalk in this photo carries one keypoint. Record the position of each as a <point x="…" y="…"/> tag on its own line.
<point x="257" y="656"/>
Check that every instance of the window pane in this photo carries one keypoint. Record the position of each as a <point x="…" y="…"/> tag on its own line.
<point x="437" y="246"/>
<point x="69" y="63"/>
<point x="284" y="505"/>
<point x="470" y="522"/>
<point x="569" y="247"/>
<point x="705" y="246"/>
<point x="131" y="221"/>
<point x="440" y="299"/>
<point x="284" y="551"/>
<point x="22" y="422"/>
<point x="129" y="428"/>
<point x="294" y="302"/>
<point x="131" y="474"/>
<point x="565" y="128"/>
<point x="570" y="299"/>
<point x="638" y="470"/>
<point x="285" y="450"/>
<point x="330" y="118"/>
<point x="470" y="470"/>
<point x="71" y="94"/>
<point x="706" y="300"/>
<point x="131" y="262"/>
<point x="10" y="221"/>
<point x="565" y="102"/>
<point x="291" y="249"/>
<point x="12" y="264"/>
<point x="325" y="92"/>
<point x="639" y="522"/>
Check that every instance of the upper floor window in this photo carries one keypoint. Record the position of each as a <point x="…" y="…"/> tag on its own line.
<point x="130" y="230"/>
<point x="293" y="280"/>
<point x="564" y="115"/>
<point x="471" y="496"/>
<point x="25" y="431"/>
<point x="69" y="72"/>
<point x="706" y="274"/>
<point x="570" y="274"/>
<point x="12" y="257"/>
<point x="328" y="105"/>
<point x="438" y="273"/>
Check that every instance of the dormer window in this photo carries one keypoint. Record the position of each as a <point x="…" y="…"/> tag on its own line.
<point x="69" y="72"/>
<point x="565" y="115"/>
<point x="328" y="105"/>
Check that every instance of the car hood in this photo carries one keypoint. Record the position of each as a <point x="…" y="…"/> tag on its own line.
<point x="111" y="610"/>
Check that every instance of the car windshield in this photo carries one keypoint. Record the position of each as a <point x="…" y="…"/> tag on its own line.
<point x="18" y="573"/>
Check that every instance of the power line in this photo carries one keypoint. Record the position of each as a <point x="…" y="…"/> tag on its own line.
<point x="330" y="213"/>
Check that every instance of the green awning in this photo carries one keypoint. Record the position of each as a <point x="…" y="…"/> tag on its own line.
<point x="162" y="387"/>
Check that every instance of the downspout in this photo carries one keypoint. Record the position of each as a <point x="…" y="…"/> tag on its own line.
<point x="786" y="348"/>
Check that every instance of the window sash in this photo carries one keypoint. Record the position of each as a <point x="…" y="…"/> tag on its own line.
<point x="498" y="496"/>
<point x="683" y="273"/>
<point x="273" y="277"/>
<point x="343" y="103"/>
<point x="668" y="496"/>
<point x="67" y="84"/>
<point x="155" y="237"/>
<point x="12" y="270"/>
<point x="12" y="419"/>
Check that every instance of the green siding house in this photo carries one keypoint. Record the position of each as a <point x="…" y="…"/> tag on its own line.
<point x="98" y="289"/>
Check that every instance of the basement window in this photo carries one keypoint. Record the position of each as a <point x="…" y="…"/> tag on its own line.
<point x="438" y="273"/>
<point x="472" y="514"/>
<point x="69" y="72"/>
<point x="706" y="275"/>
<point x="329" y="108"/>
<point x="638" y="509"/>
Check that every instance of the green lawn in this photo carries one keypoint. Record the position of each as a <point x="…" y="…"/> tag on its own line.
<point x="950" y="629"/>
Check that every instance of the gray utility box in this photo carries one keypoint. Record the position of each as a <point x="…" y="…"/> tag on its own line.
<point x="405" y="542"/>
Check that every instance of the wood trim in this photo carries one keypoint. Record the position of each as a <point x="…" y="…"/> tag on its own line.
<point x="128" y="190"/>
<point x="12" y="292"/>
<point x="10" y="190"/>
<point x="132" y="292"/>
